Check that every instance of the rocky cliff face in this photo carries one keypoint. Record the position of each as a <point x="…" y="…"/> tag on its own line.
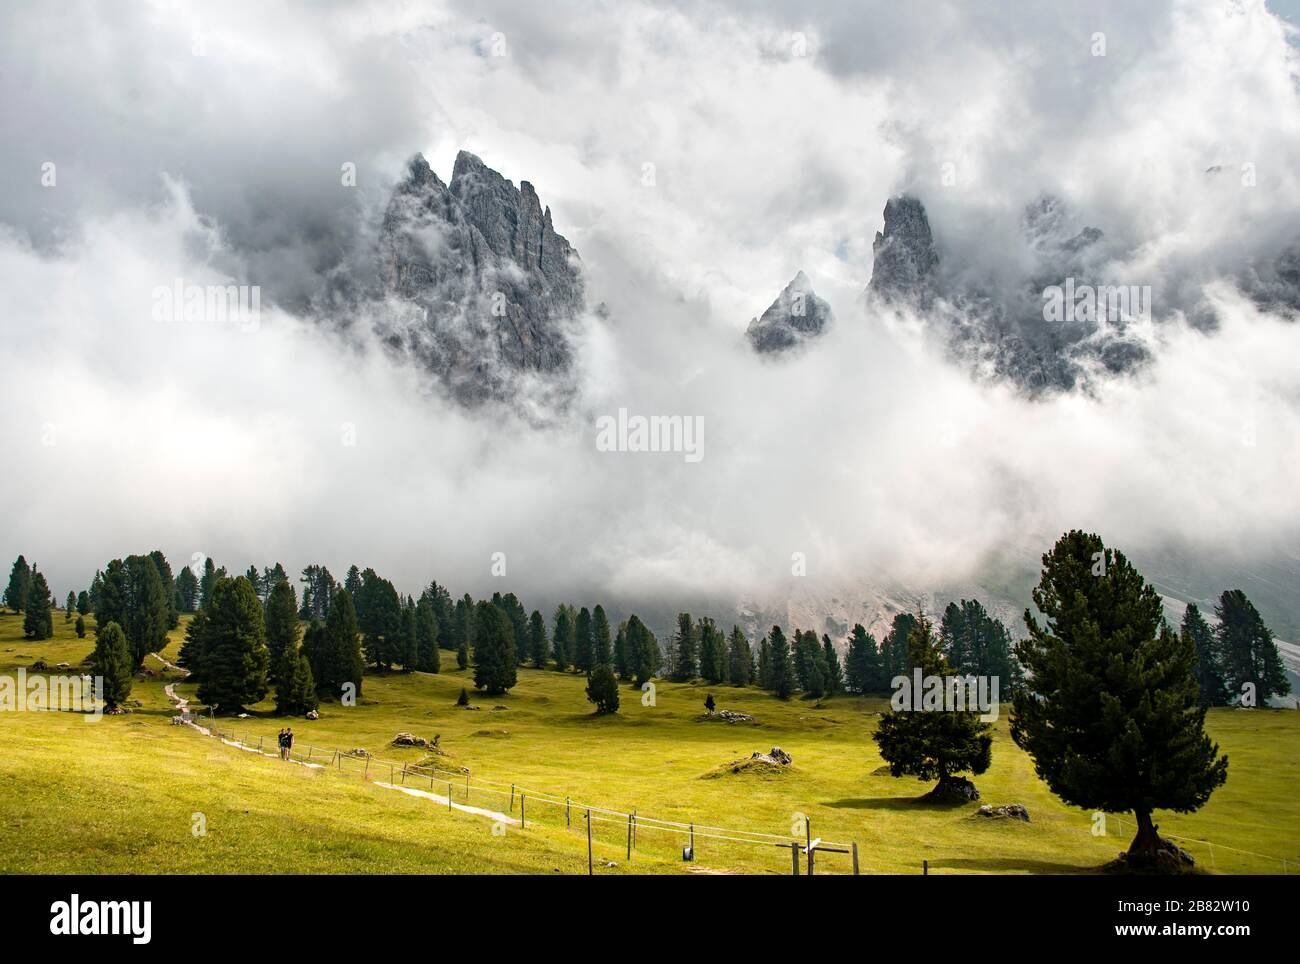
<point x="796" y="316"/>
<point x="493" y="286"/>
<point x="904" y="255"/>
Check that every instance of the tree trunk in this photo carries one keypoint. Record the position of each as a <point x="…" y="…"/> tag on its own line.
<point x="1146" y="843"/>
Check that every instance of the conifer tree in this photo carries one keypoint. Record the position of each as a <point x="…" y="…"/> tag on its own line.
<point x="602" y="689"/>
<point x="739" y="658"/>
<point x="712" y="651"/>
<point x="780" y="674"/>
<point x="169" y="586"/>
<point x="893" y="649"/>
<point x="932" y="742"/>
<point x="333" y="648"/>
<point x="1252" y="662"/>
<point x="427" y="658"/>
<point x="379" y="615"/>
<point x="494" y="650"/>
<point x="409" y="640"/>
<point x="518" y="616"/>
<point x="583" y="644"/>
<point x="863" y="671"/>
<point x="295" y="694"/>
<point x="600" y="641"/>
<point x="281" y="629"/>
<point x="765" y="663"/>
<point x="1210" y="684"/>
<point x="643" y="651"/>
<point x="209" y="580"/>
<point x="444" y="611"/>
<point x="684" y="666"/>
<point x="977" y="644"/>
<point x="539" y="645"/>
<point x="37" y="621"/>
<point x="810" y="664"/>
<point x="622" y="664"/>
<point x="563" y="637"/>
<point x="81" y="627"/>
<point x="112" y="662"/>
<point x="352" y="582"/>
<point x="834" y="670"/>
<point x="187" y="590"/>
<point x="1109" y="710"/>
<point x="69" y="606"/>
<point x="20" y="580"/>
<point x="234" y="649"/>
<point x="83" y="603"/>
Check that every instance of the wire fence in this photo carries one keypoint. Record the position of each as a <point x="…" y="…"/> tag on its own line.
<point x="615" y="832"/>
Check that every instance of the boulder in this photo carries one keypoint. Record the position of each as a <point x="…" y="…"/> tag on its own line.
<point x="410" y="739"/>
<point x="313" y="715"/>
<point x="1168" y="859"/>
<point x="954" y="790"/>
<point x="358" y="752"/>
<point x="39" y="666"/>
<point x="730" y="716"/>
<point x="1014" y="810"/>
<point x="777" y="756"/>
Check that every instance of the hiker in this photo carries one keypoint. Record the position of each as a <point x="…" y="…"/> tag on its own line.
<point x="284" y="745"/>
<point x="288" y="743"/>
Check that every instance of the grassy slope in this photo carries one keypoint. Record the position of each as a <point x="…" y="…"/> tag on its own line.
<point x="58" y="815"/>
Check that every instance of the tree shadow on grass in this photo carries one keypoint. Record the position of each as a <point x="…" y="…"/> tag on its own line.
<point x="1004" y="865"/>
<point x="892" y="803"/>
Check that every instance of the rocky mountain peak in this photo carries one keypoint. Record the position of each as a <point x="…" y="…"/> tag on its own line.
<point x="905" y="258"/>
<point x="796" y="316"/>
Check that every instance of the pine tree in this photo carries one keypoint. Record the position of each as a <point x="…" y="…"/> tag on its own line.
<point x="600" y="642"/>
<point x="684" y="649"/>
<point x="112" y="662"/>
<point x="584" y="648"/>
<point x="893" y="650"/>
<point x="602" y="689"/>
<point x="295" y="694"/>
<point x="187" y="590"/>
<point x="410" y="641"/>
<point x="1109" y="710"/>
<point x="132" y="595"/>
<point x="1211" y="686"/>
<point x="427" y="657"/>
<point x="563" y="637"/>
<point x="539" y="645"/>
<point x="863" y="670"/>
<point x="765" y="663"/>
<point x="69" y="606"/>
<point x="494" y="651"/>
<point x="335" y="655"/>
<point x="83" y="603"/>
<point x="234" y="649"/>
<point x="977" y="644"/>
<point x="810" y="664"/>
<point x="1250" y="655"/>
<point x="834" y="670"/>
<point x="643" y="651"/>
<point x="518" y="616"/>
<point x="622" y="664"/>
<point x="281" y="629"/>
<point x="780" y="674"/>
<point x="710" y="704"/>
<point x="37" y="621"/>
<point x="169" y="587"/>
<point x="81" y="627"/>
<point x="20" y="581"/>
<point x="712" y="650"/>
<point x="317" y="592"/>
<point x="209" y="580"/>
<point x="932" y="742"/>
<point x="739" y="658"/>
<point x="379" y="615"/>
<point x="444" y="611"/>
<point x="352" y="582"/>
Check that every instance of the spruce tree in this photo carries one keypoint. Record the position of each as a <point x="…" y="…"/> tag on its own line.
<point x="977" y="644"/>
<point x="169" y="586"/>
<point x="1109" y="710"/>
<point x="643" y="651"/>
<point x="602" y="689"/>
<point x="584" y="649"/>
<point x="893" y="650"/>
<point x="1211" y="686"/>
<point x="739" y="658"/>
<point x="765" y="662"/>
<point x="834" y="670"/>
<point x="518" y="616"/>
<point x="410" y="640"/>
<point x="863" y="670"/>
<point x="712" y="651"/>
<point x="81" y="627"/>
<point x="810" y="664"/>
<point x="494" y="651"/>
<point x="780" y="674"/>
<point x="1251" y="660"/>
<point x="932" y="742"/>
<point x="352" y="582"/>
<point x="684" y="665"/>
<point x="538" y="646"/>
<point x="295" y="693"/>
<point x="563" y="637"/>
<point x="209" y="580"/>
<point x="112" y="662"/>
<point x="131" y="594"/>
<point x="444" y="611"/>
<point x="20" y="581"/>
<point x="379" y="615"/>
<point x="600" y="641"/>
<point x="69" y="606"/>
<point x="37" y="621"/>
<point x="281" y="628"/>
<point x="622" y="664"/>
<point x="334" y="648"/>
<point x="234" y="649"/>
<point x="83" y="603"/>
<point x="427" y="658"/>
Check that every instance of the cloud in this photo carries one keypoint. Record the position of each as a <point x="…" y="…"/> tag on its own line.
<point x="697" y="158"/>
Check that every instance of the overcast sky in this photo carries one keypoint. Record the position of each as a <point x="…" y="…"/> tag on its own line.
<point x="205" y="142"/>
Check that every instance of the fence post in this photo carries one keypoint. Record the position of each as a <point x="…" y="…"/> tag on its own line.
<point x="589" y="870"/>
<point x="629" y="836"/>
<point x="449" y="796"/>
<point x="855" y="859"/>
<point x="794" y="856"/>
<point x="403" y="774"/>
<point x="811" y="852"/>
<point x="523" y="820"/>
<point x="925" y="868"/>
<point x="567" y="821"/>
<point x="692" y="839"/>
<point x="512" y="798"/>
<point x="366" y="775"/>
<point x="391" y="771"/>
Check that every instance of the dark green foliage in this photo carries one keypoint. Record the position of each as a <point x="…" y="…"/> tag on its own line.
<point x="863" y="670"/>
<point x="317" y="593"/>
<point x="20" y="580"/>
<point x="187" y="590"/>
<point x="977" y="644"/>
<point x="209" y="580"/>
<point x="427" y="658"/>
<point x="83" y="603"/>
<point x="893" y="650"/>
<point x="712" y="651"/>
<point x="710" y="704"/>
<point x="583" y="645"/>
<point x="333" y="648"/>
<point x="410" y="642"/>
<point x="810" y="668"/>
<point x="1109" y="709"/>
<point x="463" y="699"/>
<point x="352" y="582"/>
<point x="644" y="656"/>
<point x="463" y="631"/>
<point x="112" y="661"/>
<point x="780" y="674"/>
<point x="233" y="645"/>
<point x="281" y="628"/>
<point x="1211" y="686"/>
<point x="379" y="615"/>
<point x="169" y="586"/>
<point x="70" y="606"/>
<point x="602" y="689"/>
<point x="564" y="636"/>
<point x="494" y="650"/>
<point x="764" y="663"/>
<point x="834" y="669"/>
<point x="444" y="611"/>
<point x="37" y="621"/>
<point x="600" y="642"/>
<point x="295" y="694"/>
<point x="539" y="645"/>
<point x="133" y="596"/>
<point x="739" y="659"/>
<point x="1249" y="653"/>
<point x="684" y="653"/>
<point x="81" y="627"/>
<point x="622" y="664"/>
<point x="932" y="743"/>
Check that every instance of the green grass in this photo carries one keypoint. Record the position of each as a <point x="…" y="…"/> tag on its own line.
<point x="119" y="795"/>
